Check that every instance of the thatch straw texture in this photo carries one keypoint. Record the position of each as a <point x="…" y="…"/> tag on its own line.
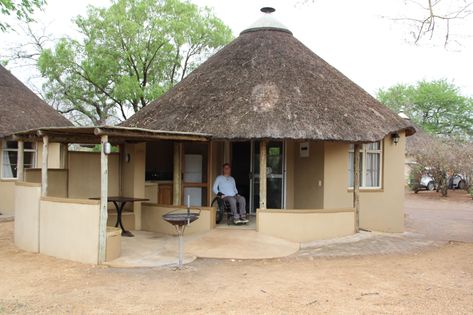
<point x="266" y="84"/>
<point x="21" y="109"/>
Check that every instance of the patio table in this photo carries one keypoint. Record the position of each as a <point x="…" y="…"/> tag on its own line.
<point x="119" y="203"/>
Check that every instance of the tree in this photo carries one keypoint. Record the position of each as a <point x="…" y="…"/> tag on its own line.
<point x="435" y="19"/>
<point x="21" y="8"/>
<point x="437" y="107"/>
<point x="441" y="158"/>
<point x="128" y="55"/>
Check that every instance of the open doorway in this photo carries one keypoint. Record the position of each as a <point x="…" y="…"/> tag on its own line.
<point x="245" y="170"/>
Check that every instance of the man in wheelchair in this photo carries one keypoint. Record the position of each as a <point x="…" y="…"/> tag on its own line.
<point x="225" y="187"/>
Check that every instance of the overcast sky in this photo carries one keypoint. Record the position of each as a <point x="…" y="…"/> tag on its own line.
<point x="359" y="38"/>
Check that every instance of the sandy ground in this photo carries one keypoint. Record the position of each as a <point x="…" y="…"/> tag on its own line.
<point x="426" y="281"/>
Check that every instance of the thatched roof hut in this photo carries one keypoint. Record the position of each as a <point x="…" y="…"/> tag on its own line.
<point x="267" y="85"/>
<point x="21" y="109"/>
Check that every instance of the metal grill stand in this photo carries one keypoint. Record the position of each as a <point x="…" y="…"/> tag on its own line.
<point x="180" y="220"/>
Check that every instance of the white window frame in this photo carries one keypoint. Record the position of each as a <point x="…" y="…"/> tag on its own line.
<point x="364" y="151"/>
<point x="5" y="149"/>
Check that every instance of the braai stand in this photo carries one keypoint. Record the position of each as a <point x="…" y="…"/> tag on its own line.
<point x="180" y="220"/>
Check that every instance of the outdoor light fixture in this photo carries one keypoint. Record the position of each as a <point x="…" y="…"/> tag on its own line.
<point x="107" y="148"/>
<point x="395" y="137"/>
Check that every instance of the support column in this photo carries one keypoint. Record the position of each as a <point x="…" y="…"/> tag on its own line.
<point x="226" y="151"/>
<point x="356" y="186"/>
<point x="44" y="167"/>
<point x="103" y="200"/>
<point x="177" y="176"/>
<point x="20" y="162"/>
<point x="262" y="174"/>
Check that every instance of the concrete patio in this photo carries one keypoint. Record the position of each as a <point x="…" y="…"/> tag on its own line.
<point x="149" y="249"/>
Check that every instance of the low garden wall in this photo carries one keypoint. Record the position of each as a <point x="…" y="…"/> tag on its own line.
<point x="26" y="197"/>
<point x="7" y="193"/>
<point x="152" y="219"/>
<point x="69" y="228"/>
<point x="305" y="225"/>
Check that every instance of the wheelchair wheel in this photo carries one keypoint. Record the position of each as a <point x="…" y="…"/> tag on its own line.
<point x="219" y="213"/>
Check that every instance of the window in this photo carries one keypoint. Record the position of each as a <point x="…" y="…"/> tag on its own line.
<point x="370" y="165"/>
<point x="10" y="157"/>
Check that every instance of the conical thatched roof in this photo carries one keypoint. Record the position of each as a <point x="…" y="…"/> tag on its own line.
<point x="21" y="109"/>
<point x="266" y="84"/>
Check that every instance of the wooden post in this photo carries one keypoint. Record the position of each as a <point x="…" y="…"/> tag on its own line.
<point x="226" y="151"/>
<point x="356" y="186"/>
<point x="177" y="176"/>
<point x="103" y="200"/>
<point x="20" y="162"/>
<point x="44" y="167"/>
<point x="262" y="174"/>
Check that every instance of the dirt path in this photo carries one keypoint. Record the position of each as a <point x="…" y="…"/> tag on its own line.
<point x="433" y="280"/>
<point x="439" y="218"/>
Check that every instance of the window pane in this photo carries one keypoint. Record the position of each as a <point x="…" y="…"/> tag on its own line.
<point x="29" y="146"/>
<point x="374" y="146"/>
<point x="9" y="164"/>
<point x="11" y="145"/>
<point x="274" y="193"/>
<point x="351" y="170"/>
<point x="274" y="158"/>
<point x="372" y="170"/>
<point x="29" y="159"/>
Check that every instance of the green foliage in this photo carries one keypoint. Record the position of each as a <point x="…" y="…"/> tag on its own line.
<point x="128" y="55"/>
<point x="415" y="176"/>
<point x="438" y="107"/>
<point x="21" y="8"/>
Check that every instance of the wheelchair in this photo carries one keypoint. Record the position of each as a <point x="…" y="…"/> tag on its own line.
<point x="223" y="209"/>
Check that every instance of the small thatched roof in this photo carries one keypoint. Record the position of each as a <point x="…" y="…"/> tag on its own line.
<point x="421" y="139"/>
<point x="21" y="109"/>
<point x="266" y="84"/>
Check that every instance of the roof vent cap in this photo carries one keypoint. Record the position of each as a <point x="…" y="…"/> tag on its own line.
<point x="267" y="22"/>
<point x="267" y="10"/>
<point x="403" y="115"/>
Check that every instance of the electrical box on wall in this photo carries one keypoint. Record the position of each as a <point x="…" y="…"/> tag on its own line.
<point x="304" y="149"/>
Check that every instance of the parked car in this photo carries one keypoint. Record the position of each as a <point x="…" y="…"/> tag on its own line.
<point x="457" y="181"/>
<point x="427" y="182"/>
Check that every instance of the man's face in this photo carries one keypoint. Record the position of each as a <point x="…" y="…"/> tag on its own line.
<point x="227" y="170"/>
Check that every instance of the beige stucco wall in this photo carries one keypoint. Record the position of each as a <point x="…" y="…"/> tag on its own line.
<point x="152" y="219"/>
<point x="7" y="197"/>
<point x="57" y="180"/>
<point x="69" y="229"/>
<point x="26" y="202"/>
<point x="55" y="155"/>
<point x="380" y="209"/>
<point x="305" y="225"/>
<point x="309" y="177"/>
<point x="133" y="176"/>
<point x="84" y="174"/>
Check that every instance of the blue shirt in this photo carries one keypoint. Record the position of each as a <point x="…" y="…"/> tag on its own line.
<point x="225" y="185"/>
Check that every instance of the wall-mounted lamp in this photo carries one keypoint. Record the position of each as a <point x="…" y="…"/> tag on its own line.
<point x="395" y="137"/>
<point x="107" y="148"/>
